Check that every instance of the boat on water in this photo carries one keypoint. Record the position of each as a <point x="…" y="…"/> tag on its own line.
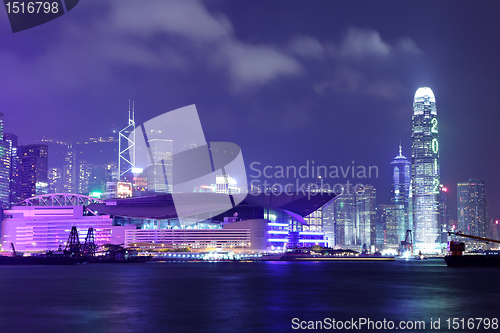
<point x="331" y="255"/>
<point x="49" y="258"/>
<point x="60" y="258"/>
<point x="17" y="260"/>
<point x="118" y="254"/>
<point x="457" y="258"/>
<point x="476" y="260"/>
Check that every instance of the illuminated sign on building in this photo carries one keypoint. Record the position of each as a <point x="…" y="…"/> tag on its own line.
<point x="124" y="190"/>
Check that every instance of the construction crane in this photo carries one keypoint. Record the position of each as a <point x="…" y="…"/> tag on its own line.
<point x="14" y="254"/>
<point x="73" y="245"/>
<point x="456" y="257"/>
<point x="407" y="245"/>
<point x="484" y="239"/>
<point x="89" y="246"/>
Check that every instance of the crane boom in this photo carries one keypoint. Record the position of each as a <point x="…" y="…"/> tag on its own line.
<point x="14" y="254"/>
<point x="461" y="234"/>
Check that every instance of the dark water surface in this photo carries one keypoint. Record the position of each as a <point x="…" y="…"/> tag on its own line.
<point x="240" y="297"/>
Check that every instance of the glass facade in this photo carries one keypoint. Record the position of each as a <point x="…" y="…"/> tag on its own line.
<point x="283" y="230"/>
<point x="355" y="218"/>
<point x="33" y="174"/>
<point x="55" y="180"/>
<point x="400" y="197"/>
<point x="161" y="165"/>
<point x="425" y="172"/>
<point x="4" y="168"/>
<point x="14" y="189"/>
<point x="328" y="212"/>
<point x="69" y="171"/>
<point x="472" y="210"/>
<point x="84" y="175"/>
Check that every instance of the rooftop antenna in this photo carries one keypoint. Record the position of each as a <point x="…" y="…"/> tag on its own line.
<point x="126" y="145"/>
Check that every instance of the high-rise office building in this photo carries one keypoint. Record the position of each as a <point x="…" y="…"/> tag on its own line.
<point x="393" y="217"/>
<point x="69" y="171"/>
<point x="4" y="168"/>
<point x="472" y="208"/>
<point x="55" y="180"/>
<point x="380" y="226"/>
<point x="14" y="186"/>
<point x="328" y="214"/>
<point x="160" y="169"/>
<point x="33" y="178"/>
<point x="355" y="217"/>
<point x="400" y="197"/>
<point x="84" y="175"/>
<point x="425" y="172"/>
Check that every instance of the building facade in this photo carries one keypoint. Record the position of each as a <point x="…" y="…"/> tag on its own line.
<point x="55" y="180"/>
<point x="69" y="171"/>
<point x="425" y="172"/>
<point x="400" y="197"/>
<point x="160" y="170"/>
<point x="14" y="186"/>
<point x="84" y="175"/>
<point x="472" y="209"/>
<point x="41" y="228"/>
<point x="328" y="220"/>
<point x="5" y="168"/>
<point x="33" y="170"/>
<point x="355" y="218"/>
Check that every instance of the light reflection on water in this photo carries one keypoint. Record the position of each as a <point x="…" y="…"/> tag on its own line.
<point x="237" y="297"/>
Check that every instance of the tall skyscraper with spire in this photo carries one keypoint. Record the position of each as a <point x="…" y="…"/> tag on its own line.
<point x="400" y="194"/>
<point x="425" y="172"/>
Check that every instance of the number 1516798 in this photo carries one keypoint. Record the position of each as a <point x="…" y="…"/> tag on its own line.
<point x="21" y="7"/>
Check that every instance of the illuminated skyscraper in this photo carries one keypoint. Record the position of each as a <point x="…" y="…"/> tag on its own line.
<point x="69" y="171"/>
<point x="355" y="218"/>
<point x="4" y="168"/>
<point x="161" y="163"/>
<point x="425" y="172"/>
<point x="55" y="180"/>
<point x="84" y="174"/>
<point x="126" y="146"/>
<point x="33" y="178"/>
<point x="14" y="186"/>
<point x="472" y="208"/>
<point x="400" y="195"/>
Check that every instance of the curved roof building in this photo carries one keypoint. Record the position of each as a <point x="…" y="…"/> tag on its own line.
<point x="162" y="206"/>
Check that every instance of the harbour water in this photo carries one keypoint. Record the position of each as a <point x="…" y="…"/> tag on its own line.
<point x="240" y="296"/>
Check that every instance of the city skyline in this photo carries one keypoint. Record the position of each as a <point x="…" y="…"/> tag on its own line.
<point x="337" y="78"/>
<point x="260" y="166"/>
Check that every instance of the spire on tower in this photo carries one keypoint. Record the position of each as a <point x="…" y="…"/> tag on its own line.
<point x="126" y="145"/>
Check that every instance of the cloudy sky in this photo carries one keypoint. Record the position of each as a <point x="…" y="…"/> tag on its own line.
<point x="288" y="81"/>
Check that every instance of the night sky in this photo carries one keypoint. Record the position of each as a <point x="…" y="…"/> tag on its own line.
<point x="288" y="81"/>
